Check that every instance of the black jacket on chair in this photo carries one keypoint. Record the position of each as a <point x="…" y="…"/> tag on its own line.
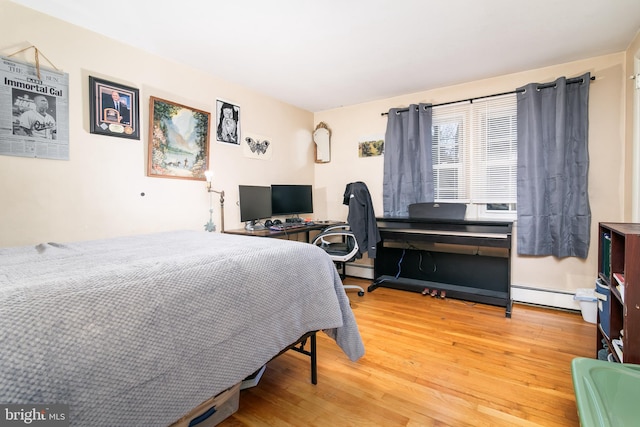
<point x="361" y="218"/>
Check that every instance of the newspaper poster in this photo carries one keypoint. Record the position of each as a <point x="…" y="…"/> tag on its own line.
<point x="34" y="112"/>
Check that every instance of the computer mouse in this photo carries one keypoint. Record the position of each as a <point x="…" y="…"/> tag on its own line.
<point x="277" y="222"/>
<point x="268" y="223"/>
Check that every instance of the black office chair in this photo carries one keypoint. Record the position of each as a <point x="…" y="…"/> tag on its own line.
<point x="339" y="242"/>
<point x="345" y="243"/>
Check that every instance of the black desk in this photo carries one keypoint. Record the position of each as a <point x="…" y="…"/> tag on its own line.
<point x="470" y="260"/>
<point x="289" y="232"/>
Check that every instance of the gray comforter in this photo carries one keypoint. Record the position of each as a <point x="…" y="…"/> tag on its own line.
<point x="136" y="331"/>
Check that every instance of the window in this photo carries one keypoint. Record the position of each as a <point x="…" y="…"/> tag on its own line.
<point x="449" y="151"/>
<point x="475" y="154"/>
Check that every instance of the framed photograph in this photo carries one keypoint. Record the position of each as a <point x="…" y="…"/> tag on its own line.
<point x="227" y="122"/>
<point x="178" y="140"/>
<point x="114" y="109"/>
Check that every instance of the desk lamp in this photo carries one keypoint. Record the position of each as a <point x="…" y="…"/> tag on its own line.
<point x="210" y="226"/>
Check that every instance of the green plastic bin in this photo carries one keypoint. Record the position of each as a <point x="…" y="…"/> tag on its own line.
<point x="606" y="393"/>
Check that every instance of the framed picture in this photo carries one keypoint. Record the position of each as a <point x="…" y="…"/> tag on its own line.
<point x="227" y="122"/>
<point x="114" y="109"/>
<point x="178" y="140"/>
<point x="257" y="147"/>
<point x="371" y="147"/>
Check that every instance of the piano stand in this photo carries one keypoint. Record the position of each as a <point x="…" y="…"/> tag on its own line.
<point x="470" y="260"/>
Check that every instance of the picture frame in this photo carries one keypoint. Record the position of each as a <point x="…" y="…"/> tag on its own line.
<point x="228" y="122"/>
<point x="178" y="140"/>
<point x="114" y="109"/>
<point x="371" y="146"/>
<point x="257" y="147"/>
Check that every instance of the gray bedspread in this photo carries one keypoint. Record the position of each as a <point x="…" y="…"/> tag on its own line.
<point x="136" y="331"/>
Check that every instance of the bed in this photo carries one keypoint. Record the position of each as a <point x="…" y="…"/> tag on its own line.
<point x="139" y="330"/>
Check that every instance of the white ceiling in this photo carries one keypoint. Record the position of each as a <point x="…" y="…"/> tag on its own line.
<point x="323" y="54"/>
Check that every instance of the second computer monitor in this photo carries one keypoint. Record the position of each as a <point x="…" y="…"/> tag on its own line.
<point x="291" y="199"/>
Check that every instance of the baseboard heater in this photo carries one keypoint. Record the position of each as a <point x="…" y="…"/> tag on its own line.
<point x="554" y="298"/>
<point x="362" y="271"/>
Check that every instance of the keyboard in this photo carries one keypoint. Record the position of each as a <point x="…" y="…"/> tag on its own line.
<point x="287" y="226"/>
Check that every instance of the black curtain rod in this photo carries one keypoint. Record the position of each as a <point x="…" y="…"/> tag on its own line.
<point x="542" y="86"/>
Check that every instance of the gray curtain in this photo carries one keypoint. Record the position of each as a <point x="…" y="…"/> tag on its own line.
<point x="408" y="165"/>
<point x="554" y="217"/>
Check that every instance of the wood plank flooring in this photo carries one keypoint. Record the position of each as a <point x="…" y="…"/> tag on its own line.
<point x="430" y="362"/>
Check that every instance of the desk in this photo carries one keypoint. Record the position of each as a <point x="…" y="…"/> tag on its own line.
<point x="287" y="233"/>
<point x="470" y="260"/>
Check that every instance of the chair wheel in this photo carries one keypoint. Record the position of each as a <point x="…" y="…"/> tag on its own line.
<point x="360" y="293"/>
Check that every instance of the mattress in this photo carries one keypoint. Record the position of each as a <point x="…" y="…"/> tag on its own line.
<point x="138" y="330"/>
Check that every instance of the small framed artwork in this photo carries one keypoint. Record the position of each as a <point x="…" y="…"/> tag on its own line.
<point x="114" y="109"/>
<point x="371" y="147"/>
<point x="178" y="140"/>
<point x="257" y="147"/>
<point x="227" y="122"/>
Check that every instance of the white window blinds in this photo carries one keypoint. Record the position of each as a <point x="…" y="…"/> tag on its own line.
<point x="475" y="151"/>
<point x="450" y="150"/>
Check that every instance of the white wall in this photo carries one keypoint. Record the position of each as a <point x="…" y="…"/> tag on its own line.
<point x="97" y="193"/>
<point x="632" y="131"/>
<point x="606" y="146"/>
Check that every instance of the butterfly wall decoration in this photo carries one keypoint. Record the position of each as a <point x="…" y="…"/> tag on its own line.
<point x="257" y="146"/>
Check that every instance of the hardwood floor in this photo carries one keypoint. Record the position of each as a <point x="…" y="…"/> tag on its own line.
<point x="430" y="362"/>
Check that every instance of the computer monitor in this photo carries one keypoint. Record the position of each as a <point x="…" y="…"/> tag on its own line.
<point x="255" y="204"/>
<point x="291" y="199"/>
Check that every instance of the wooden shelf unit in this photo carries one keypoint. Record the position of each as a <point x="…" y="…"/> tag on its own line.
<point x="623" y="309"/>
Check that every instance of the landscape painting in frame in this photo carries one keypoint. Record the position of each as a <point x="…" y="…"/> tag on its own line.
<point x="178" y="140"/>
<point x="371" y="147"/>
